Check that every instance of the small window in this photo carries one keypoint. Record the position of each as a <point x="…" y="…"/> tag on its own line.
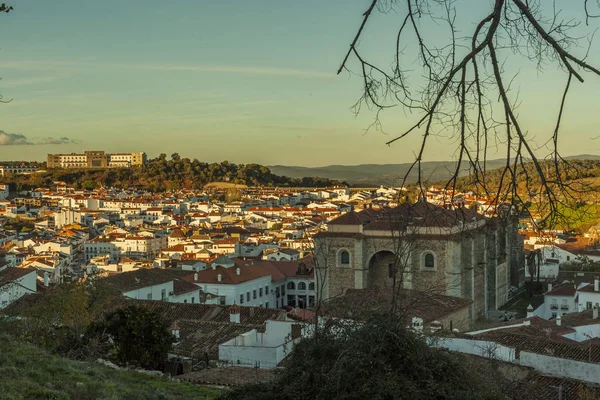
<point x="241" y="299"/>
<point x="163" y="294"/>
<point x="429" y="261"/>
<point x="260" y="292"/>
<point x="291" y="286"/>
<point x="302" y="286"/>
<point x="248" y="296"/>
<point x="588" y="305"/>
<point x="266" y="290"/>
<point x="568" y="258"/>
<point x="311" y="286"/>
<point x="267" y="304"/>
<point x="193" y="300"/>
<point x="344" y="257"/>
<point x="254" y="294"/>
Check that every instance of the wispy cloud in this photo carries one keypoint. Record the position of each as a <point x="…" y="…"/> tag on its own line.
<point x="33" y="80"/>
<point x="15" y="139"/>
<point x="231" y="69"/>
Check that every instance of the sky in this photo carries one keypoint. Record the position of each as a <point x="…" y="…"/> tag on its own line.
<point x="225" y="80"/>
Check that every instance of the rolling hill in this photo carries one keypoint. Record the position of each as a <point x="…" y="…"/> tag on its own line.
<point x="389" y="174"/>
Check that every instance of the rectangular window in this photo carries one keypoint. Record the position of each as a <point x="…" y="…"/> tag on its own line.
<point x="260" y="292"/>
<point x="588" y="305"/>
<point x="248" y="296"/>
<point x="163" y="294"/>
<point x="193" y="299"/>
<point x="241" y="299"/>
<point x="283" y="290"/>
<point x="277" y="292"/>
<point x="254" y="294"/>
<point x="267" y="304"/>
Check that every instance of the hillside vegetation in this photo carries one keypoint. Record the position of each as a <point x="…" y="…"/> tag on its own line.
<point x="161" y="174"/>
<point x="393" y="174"/>
<point x="28" y="372"/>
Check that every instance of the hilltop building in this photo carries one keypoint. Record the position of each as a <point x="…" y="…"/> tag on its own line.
<point x="17" y="169"/>
<point x="96" y="159"/>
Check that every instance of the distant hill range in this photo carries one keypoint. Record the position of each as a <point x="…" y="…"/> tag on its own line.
<point x="389" y="174"/>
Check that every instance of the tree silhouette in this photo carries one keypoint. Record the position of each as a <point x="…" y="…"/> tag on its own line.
<point x="462" y="87"/>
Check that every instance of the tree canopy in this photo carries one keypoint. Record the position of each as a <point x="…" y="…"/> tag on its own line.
<point x="162" y="174"/>
<point x="378" y="359"/>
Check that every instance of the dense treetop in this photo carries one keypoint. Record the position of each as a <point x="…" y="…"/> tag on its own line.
<point x="162" y="173"/>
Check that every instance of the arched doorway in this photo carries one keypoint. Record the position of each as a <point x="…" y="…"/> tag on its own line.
<point x="382" y="269"/>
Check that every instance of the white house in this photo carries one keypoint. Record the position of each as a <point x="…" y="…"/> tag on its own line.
<point x="589" y="295"/>
<point x="558" y="300"/>
<point x="3" y="191"/>
<point x="262" y="350"/>
<point x="154" y="284"/>
<point x="15" y="283"/>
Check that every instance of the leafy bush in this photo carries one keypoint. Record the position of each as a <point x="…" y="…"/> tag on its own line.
<point x="140" y="336"/>
<point x="380" y="359"/>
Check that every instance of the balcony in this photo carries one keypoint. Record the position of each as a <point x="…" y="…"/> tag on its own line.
<point x="554" y="306"/>
<point x="564" y="307"/>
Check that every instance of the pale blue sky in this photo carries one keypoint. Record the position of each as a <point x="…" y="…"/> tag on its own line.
<point x="246" y="81"/>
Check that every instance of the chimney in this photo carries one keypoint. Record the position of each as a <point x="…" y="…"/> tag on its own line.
<point x="550" y="286"/>
<point x="46" y="279"/>
<point x="596" y="284"/>
<point x="175" y="331"/>
<point x="237" y="271"/>
<point x="595" y="311"/>
<point x="234" y="314"/>
<point x="219" y="277"/>
<point x="196" y="276"/>
<point x="558" y="320"/>
<point x="529" y="311"/>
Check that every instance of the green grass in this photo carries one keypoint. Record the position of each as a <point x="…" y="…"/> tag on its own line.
<point x="28" y="372"/>
<point x="580" y="218"/>
<point x="572" y="217"/>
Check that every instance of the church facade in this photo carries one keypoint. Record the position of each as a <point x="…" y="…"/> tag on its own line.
<point x="422" y="247"/>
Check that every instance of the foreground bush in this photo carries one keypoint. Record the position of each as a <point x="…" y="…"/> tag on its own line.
<point x="379" y="359"/>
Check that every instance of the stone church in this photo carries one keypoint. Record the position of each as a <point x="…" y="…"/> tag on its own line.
<point x="423" y="247"/>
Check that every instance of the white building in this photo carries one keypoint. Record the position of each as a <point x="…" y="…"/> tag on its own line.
<point x="101" y="246"/>
<point x="66" y="217"/>
<point x="3" y="191"/>
<point x="558" y="300"/>
<point x="262" y="350"/>
<point x="15" y="283"/>
<point x="589" y="295"/>
<point x="154" y="284"/>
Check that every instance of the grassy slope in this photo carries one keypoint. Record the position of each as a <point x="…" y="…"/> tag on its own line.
<point x="27" y="372"/>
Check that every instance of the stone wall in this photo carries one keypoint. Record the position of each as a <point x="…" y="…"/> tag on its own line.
<point x="474" y="265"/>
